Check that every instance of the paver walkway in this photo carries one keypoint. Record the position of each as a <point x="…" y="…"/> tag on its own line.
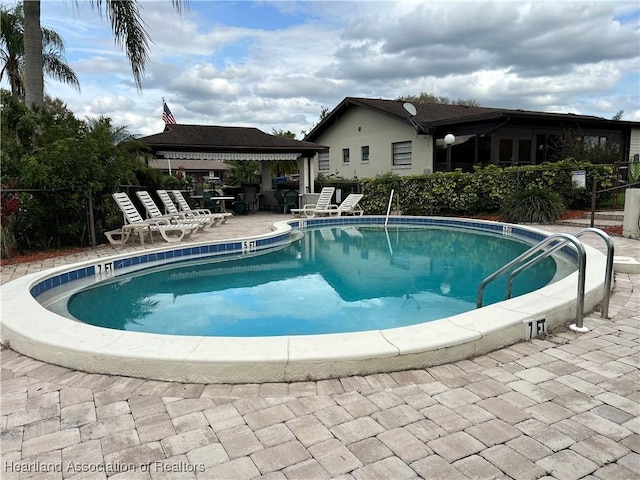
<point x="566" y="407"/>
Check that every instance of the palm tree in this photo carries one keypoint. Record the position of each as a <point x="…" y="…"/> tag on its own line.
<point x="11" y="36"/>
<point x="33" y="58"/>
<point x="12" y="52"/>
<point x="282" y="167"/>
<point x="127" y="25"/>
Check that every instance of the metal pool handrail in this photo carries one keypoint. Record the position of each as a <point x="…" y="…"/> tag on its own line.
<point x="530" y="263"/>
<point x="582" y="260"/>
<point x="606" y="294"/>
<point x="608" y="271"/>
<point x="386" y="220"/>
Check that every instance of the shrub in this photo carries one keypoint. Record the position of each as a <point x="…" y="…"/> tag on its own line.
<point x="533" y="205"/>
<point x="480" y="192"/>
<point x="577" y="199"/>
<point x="60" y="162"/>
<point x="169" y="182"/>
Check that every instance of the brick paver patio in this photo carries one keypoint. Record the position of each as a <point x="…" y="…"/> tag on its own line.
<point x="566" y="406"/>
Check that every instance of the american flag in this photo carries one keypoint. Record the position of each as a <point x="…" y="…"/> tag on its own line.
<point x="167" y="116"/>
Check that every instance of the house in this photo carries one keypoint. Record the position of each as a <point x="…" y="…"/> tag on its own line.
<point x="202" y="150"/>
<point x="368" y="137"/>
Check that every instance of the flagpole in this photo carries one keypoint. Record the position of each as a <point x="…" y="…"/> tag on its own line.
<point x="168" y="159"/>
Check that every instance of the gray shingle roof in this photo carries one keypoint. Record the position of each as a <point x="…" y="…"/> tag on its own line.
<point x="430" y="116"/>
<point x="219" y="138"/>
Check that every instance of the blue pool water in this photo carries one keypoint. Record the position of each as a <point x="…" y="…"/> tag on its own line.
<point x="334" y="279"/>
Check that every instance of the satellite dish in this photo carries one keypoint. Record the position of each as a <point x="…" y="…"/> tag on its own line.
<point x="409" y="107"/>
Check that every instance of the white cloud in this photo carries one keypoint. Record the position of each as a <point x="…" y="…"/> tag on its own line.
<point x="274" y="65"/>
<point x="103" y="105"/>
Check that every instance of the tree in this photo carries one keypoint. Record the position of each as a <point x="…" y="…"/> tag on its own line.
<point x="127" y="26"/>
<point x="618" y="115"/>
<point x="12" y="53"/>
<point x="584" y="148"/>
<point x="11" y="36"/>
<point x="282" y="133"/>
<point x="324" y="113"/>
<point x="64" y="161"/>
<point x="425" y="97"/>
<point x="244" y="172"/>
<point x="33" y="56"/>
<point x="282" y="167"/>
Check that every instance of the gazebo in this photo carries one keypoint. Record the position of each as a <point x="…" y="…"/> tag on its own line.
<point x="204" y="149"/>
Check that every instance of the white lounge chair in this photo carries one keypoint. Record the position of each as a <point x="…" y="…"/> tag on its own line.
<point x="134" y="223"/>
<point x="169" y="206"/>
<point x="154" y="213"/>
<point x="349" y="206"/>
<point x="324" y="200"/>
<point x="184" y="207"/>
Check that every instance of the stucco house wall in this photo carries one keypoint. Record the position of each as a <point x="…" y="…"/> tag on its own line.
<point x="360" y="127"/>
<point x="482" y="136"/>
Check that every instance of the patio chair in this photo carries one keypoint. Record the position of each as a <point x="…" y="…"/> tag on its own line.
<point x="170" y="206"/>
<point x="134" y="223"/>
<point x="291" y="198"/>
<point x="286" y="199"/>
<point x="184" y="207"/>
<point x="324" y="200"/>
<point x="251" y="197"/>
<point x="240" y="207"/>
<point x="154" y="213"/>
<point x="349" y="206"/>
<point x="210" y="202"/>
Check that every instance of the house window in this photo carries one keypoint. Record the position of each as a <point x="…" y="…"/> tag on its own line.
<point x="525" y="151"/>
<point x="506" y="151"/>
<point x="401" y="153"/>
<point x="345" y="155"/>
<point x="323" y="161"/>
<point x="594" y="141"/>
<point x="365" y="153"/>
<point x="514" y="151"/>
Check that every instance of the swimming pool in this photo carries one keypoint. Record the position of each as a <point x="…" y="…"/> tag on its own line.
<point x="334" y="279"/>
<point x="34" y="331"/>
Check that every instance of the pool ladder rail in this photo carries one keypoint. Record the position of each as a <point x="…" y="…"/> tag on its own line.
<point x="528" y="259"/>
<point x="391" y="195"/>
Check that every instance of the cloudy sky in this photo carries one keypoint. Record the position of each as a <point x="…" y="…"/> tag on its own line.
<point x="274" y="65"/>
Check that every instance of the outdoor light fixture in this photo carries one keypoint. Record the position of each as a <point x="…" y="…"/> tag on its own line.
<point x="449" y="138"/>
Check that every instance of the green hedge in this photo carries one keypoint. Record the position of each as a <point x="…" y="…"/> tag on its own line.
<point x="482" y="191"/>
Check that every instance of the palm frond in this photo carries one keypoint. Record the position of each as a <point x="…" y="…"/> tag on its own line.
<point x="131" y="32"/>
<point x="12" y="54"/>
<point x="51" y="39"/>
<point x="56" y="68"/>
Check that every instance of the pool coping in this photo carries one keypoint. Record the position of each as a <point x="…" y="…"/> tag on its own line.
<point x="27" y="327"/>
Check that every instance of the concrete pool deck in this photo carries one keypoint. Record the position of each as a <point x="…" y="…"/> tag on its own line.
<point x="567" y="406"/>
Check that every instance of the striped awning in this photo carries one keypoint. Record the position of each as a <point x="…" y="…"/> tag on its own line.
<point x="188" y="164"/>
<point x="224" y="156"/>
